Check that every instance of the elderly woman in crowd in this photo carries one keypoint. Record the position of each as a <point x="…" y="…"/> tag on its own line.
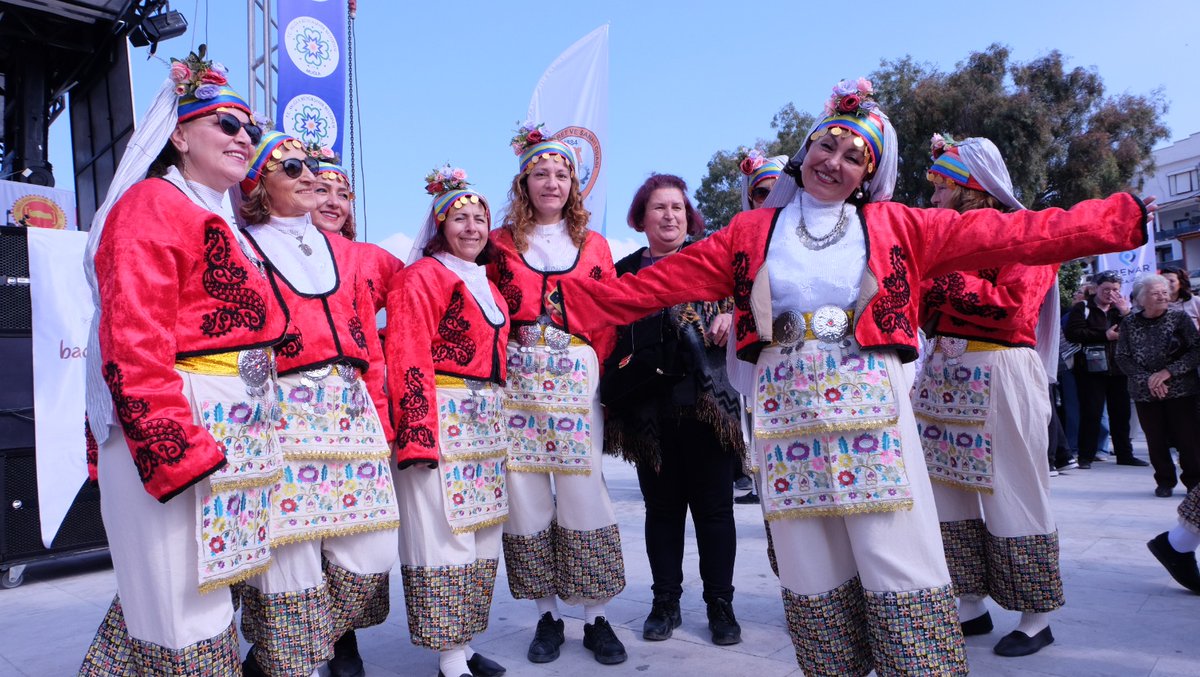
<point x="827" y="314"/>
<point x="447" y="332"/>
<point x="181" y="352"/>
<point x="559" y="542"/>
<point x="673" y="413"/>
<point x="333" y="512"/>
<point x="1159" y="350"/>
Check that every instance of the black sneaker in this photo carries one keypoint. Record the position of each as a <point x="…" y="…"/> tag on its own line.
<point x="749" y="498"/>
<point x="743" y="484"/>
<point x="600" y="639"/>
<point x="1017" y="643"/>
<point x="1181" y="565"/>
<point x="482" y="666"/>
<point x="546" y="639"/>
<point x="346" y="661"/>
<point x="663" y="619"/>
<point x="724" y="627"/>
<point x="1070" y="464"/>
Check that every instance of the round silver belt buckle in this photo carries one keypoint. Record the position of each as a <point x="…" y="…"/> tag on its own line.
<point x="952" y="347"/>
<point x="348" y="372"/>
<point x="788" y="329"/>
<point x="254" y="368"/>
<point x="556" y="339"/>
<point x="528" y="335"/>
<point x="830" y="323"/>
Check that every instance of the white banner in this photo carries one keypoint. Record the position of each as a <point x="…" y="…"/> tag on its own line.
<point x="37" y="206"/>
<point x="572" y="99"/>
<point x="1132" y="264"/>
<point x="62" y="310"/>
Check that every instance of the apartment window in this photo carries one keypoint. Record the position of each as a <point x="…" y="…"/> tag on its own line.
<point x="1183" y="182"/>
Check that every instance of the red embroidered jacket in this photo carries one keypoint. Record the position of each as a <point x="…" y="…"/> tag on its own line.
<point x="173" y="283"/>
<point x="531" y="293"/>
<point x="332" y="327"/>
<point x="904" y="245"/>
<point x="999" y="305"/>
<point x="435" y="326"/>
<point x="377" y="266"/>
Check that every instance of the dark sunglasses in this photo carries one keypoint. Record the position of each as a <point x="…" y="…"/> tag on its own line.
<point x="1107" y="277"/>
<point x="760" y="193"/>
<point x="294" y="167"/>
<point x="230" y="125"/>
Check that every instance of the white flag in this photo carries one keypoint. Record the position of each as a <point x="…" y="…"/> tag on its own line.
<point x="1132" y="264"/>
<point x="572" y="99"/>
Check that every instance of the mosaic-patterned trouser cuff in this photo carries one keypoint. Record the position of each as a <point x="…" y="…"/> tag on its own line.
<point x="916" y="632"/>
<point x="965" y="542"/>
<point x="588" y="564"/>
<point x="114" y="653"/>
<point x="448" y="605"/>
<point x="1023" y="573"/>
<point x="529" y="561"/>
<point x="1189" y="509"/>
<point x="829" y="631"/>
<point x="292" y="632"/>
<point x="771" y="549"/>
<point x="356" y="600"/>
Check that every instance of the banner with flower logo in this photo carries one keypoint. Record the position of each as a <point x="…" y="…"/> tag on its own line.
<point x="1132" y="264"/>
<point x="312" y="71"/>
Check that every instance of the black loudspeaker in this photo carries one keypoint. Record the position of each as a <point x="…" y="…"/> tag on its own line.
<point x="21" y="528"/>
<point x="16" y="312"/>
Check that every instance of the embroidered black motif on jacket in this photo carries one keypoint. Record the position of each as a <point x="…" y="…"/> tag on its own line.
<point x="356" y="327"/>
<point x="157" y="441"/>
<point x="414" y="407"/>
<point x="291" y="346"/>
<point x="741" y="293"/>
<point x="888" y="309"/>
<point x="510" y="292"/>
<point x="595" y="273"/>
<point x="951" y="288"/>
<point x="453" y="328"/>
<point x="989" y="274"/>
<point x="93" y="449"/>
<point x="224" y="280"/>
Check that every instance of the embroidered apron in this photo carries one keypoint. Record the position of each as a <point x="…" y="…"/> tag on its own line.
<point x="473" y="454"/>
<point x="952" y="402"/>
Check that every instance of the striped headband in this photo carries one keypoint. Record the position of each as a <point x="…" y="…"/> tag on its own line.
<point x="537" y="151"/>
<point x="769" y="170"/>
<point x="271" y="147"/>
<point x="949" y="167"/>
<point x="867" y="127"/>
<point x="454" y="199"/>
<point x="328" y="170"/>
<point x="191" y="108"/>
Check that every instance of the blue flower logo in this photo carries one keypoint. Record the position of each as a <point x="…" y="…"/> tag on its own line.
<point x="312" y="45"/>
<point x="310" y="125"/>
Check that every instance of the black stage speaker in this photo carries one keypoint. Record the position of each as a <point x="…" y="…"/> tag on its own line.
<point x="16" y="313"/>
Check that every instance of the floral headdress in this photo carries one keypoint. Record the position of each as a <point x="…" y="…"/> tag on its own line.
<point x="448" y="186"/>
<point x="531" y="144"/>
<point x="322" y="153"/>
<point x="757" y="166"/>
<point x="202" y="86"/>
<point x="852" y="107"/>
<point x="948" y="166"/>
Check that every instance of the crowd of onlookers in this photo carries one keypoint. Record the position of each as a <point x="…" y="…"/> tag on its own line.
<point x="1144" y="349"/>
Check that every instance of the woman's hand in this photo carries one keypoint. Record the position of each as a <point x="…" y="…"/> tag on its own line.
<point x="1113" y="333"/>
<point x="1158" y="383"/>
<point x="1150" y="202"/>
<point x="718" y="330"/>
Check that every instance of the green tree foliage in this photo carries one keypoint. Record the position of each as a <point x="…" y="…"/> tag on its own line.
<point x="1063" y="139"/>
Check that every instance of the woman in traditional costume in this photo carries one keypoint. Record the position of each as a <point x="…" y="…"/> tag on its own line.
<point x="825" y="285"/>
<point x="334" y="215"/>
<point x="983" y="413"/>
<point x="333" y="513"/>
<point x="447" y="332"/>
<point x="559" y="541"/>
<point x="1175" y="549"/>
<point x="181" y="349"/>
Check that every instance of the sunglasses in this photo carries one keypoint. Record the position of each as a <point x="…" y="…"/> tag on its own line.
<point x="231" y="125"/>
<point x="759" y="194"/>
<point x="1107" y="277"/>
<point x="294" y="167"/>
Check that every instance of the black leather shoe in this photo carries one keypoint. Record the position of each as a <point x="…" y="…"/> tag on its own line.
<point x="980" y="625"/>
<point x="250" y="666"/>
<point x="1017" y="643"/>
<point x="546" y="640"/>
<point x="663" y="619"/>
<point x="1163" y="492"/>
<point x="482" y="666"/>
<point x="1132" y="460"/>
<point x="1181" y="565"/>
<point x="747" y="499"/>
<point x="600" y="639"/>
<point x="723" y="624"/>
<point x="346" y="662"/>
<point x="1085" y="465"/>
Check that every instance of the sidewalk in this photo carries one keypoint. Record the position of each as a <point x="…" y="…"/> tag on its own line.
<point x="1124" y="615"/>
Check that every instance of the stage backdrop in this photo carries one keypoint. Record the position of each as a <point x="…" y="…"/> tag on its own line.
<point x="37" y="206"/>
<point x="572" y="99"/>
<point x="312" y="71"/>
<point x="62" y="310"/>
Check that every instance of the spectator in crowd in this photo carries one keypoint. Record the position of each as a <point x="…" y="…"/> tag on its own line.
<point x="1181" y="293"/>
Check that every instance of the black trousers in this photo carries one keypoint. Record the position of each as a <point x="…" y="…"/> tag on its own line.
<point x="1095" y="390"/>
<point x="1172" y="423"/>
<point x="1060" y="448"/>
<point x="696" y="475"/>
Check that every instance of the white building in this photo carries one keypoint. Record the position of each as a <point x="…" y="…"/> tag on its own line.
<point x="1176" y="183"/>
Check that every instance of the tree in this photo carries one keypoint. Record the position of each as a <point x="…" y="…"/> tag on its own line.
<point x="1062" y="139"/>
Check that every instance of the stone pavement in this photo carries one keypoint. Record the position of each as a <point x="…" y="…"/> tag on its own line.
<point x="1124" y="616"/>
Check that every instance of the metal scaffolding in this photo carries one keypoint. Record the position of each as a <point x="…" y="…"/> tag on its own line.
<point x="262" y="52"/>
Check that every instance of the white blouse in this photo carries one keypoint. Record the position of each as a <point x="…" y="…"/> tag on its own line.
<point x="475" y="277"/>
<point x="804" y="279"/>
<point x="280" y="240"/>
<point x="550" y="248"/>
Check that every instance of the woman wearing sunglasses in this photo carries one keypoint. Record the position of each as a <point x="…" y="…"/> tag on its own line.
<point x="180" y="352"/>
<point x="333" y="511"/>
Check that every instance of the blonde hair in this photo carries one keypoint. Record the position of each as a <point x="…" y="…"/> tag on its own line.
<point x="520" y="220"/>
<point x="963" y="199"/>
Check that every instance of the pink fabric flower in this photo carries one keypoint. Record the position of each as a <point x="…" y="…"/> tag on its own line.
<point x="865" y="86"/>
<point x="180" y="73"/>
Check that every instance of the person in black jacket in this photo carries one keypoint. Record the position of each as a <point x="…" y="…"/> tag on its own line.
<point x="672" y="412"/>
<point x="1094" y="325"/>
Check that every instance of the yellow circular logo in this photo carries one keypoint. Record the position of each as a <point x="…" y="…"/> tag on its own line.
<point x="39" y="211"/>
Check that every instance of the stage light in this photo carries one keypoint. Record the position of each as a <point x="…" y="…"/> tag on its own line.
<point x="158" y="27"/>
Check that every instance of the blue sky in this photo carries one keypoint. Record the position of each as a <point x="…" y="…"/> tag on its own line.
<point x="445" y="82"/>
